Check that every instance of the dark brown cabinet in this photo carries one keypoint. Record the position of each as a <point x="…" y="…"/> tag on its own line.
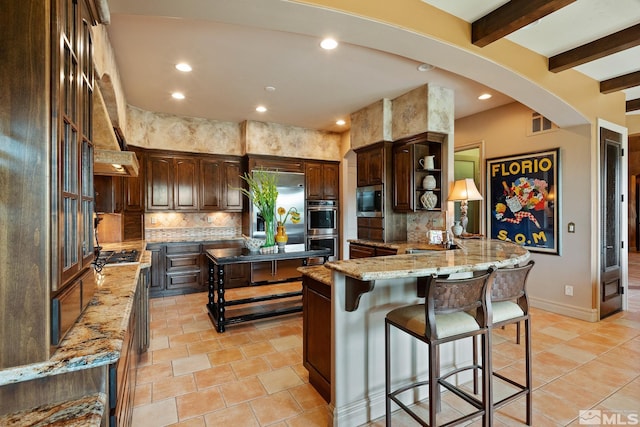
<point x="109" y="194"/>
<point x="219" y="184"/>
<point x="133" y="187"/>
<point x="192" y="183"/>
<point x="357" y="250"/>
<point x="322" y="180"/>
<point x="316" y="344"/>
<point x="409" y="173"/>
<point x="182" y="268"/>
<point x="370" y="163"/>
<point x="371" y="229"/>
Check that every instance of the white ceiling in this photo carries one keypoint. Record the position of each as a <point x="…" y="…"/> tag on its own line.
<point x="239" y="47"/>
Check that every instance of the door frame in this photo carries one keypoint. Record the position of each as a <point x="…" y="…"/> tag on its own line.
<point x="482" y="178"/>
<point x="624" y="217"/>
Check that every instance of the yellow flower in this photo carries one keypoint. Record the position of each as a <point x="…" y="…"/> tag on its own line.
<point x="281" y="211"/>
<point x="295" y="215"/>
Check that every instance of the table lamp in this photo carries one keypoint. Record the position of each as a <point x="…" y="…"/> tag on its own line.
<point x="463" y="191"/>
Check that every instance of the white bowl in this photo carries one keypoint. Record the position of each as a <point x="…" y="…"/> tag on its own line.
<point x="253" y="244"/>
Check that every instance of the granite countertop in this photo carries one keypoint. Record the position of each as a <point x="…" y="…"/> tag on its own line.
<point x="317" y="272"/>
<point x="194" y="238"/>
<point x="82" y="412"/>
<point x="401" y="247"/>
<point x="95" y="340"/>
<point x="471" y="255"/>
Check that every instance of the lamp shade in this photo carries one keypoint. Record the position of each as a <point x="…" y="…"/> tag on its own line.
<point x="464" y="189"/>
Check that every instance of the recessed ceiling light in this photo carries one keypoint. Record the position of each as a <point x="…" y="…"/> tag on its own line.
<point x="270" y="88"/>
<point x="177" y="95"/>
<point x="183" y="66"/>
<point x="425" y="67"/>
<point x="341" y="122"/>
<point x="261" y="109"/>
<point x="485" y="96"/>
<point x="329" y="44"/>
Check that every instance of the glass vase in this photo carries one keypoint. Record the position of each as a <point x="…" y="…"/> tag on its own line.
<point x="269" y="232"/>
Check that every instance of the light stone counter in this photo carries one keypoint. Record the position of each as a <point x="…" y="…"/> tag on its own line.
<point x="363" y="291"/>
<point x="95" y="340"/>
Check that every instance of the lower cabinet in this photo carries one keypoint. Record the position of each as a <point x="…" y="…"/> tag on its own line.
<point x="357" y="250"/>
<point x="122" y="374"/>
<point x="182" y="268"/>
<point x="316" y="337"/>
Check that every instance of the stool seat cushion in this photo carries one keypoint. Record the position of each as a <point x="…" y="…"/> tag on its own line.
<point x="412" y="318"/>
<point x="505" y="310"/>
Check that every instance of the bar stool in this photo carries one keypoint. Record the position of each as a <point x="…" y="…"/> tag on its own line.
<point x="454" y="309"/>
<point x="510" y="304"/>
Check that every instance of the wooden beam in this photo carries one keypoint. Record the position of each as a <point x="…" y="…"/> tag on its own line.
<point x="608" y="45"/>
<point x="511" y="17"/>
<point x="620" y="83"/>
<point x="633" y="104"/>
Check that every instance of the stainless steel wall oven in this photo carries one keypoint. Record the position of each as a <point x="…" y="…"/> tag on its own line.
<point x="322" y="217"/>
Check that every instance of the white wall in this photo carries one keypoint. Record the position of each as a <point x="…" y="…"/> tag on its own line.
<point x="504" y="131"/>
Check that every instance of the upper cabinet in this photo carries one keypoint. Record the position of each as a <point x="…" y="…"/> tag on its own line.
<point x="322" y="180"/>
<point x="192" y="183"/>
<point x="418" y="173"/>
<point x="370" y="164"/>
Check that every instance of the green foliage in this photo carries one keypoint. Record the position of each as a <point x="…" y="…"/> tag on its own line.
<point x="262" y="192"/>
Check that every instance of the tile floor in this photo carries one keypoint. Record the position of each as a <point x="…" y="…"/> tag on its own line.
<point x="252" y="375"/>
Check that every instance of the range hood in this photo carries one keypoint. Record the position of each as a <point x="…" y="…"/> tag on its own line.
<point x="115" y="163"/>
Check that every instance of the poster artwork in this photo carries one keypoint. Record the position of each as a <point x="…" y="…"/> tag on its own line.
<point x="523" y="191"/>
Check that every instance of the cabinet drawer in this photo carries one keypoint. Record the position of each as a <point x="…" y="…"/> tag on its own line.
<point x="183" y="262"/>
<point x="183" y="249"/>
<point x="192" y="280"/>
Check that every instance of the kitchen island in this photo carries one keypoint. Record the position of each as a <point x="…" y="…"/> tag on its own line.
<point x="220" y="258"/>
<point x="363" y="291"/>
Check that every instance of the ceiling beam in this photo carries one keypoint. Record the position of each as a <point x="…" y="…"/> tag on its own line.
<point x="633" y="104"/>
<point x="608" y="45"/>
<point x="620" y="83"/>
<point x="511" y="17"/>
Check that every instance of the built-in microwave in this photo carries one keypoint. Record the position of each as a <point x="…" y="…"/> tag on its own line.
<point x="370" y="201"/>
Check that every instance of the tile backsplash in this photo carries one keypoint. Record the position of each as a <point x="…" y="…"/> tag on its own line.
<point x="167" y="225"/>
<point x="419" y="224"/>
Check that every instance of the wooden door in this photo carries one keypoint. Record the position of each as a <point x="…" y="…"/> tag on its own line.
<point x="159" y="174"/>
<point x="403" y="185"/>
<point x="210" y="184"/>
<point x="185" y="184"/>
<point x="611" y="288"/>
<point x="314" y="184"/>
<point x="231" y="184"/>
<point x="331" y="181"/>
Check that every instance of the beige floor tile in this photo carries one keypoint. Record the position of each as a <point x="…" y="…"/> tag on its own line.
<point x="257" y="349"/>
<point x="236" y="416"/>
<point x="190" y="364"/>
<point x="286" y="342"/>
<point x="201" y="325"/>
<point x="281" y="379"/>
<point x="234" y="340"/>
<point x="214" y="376"/>
<point x="154" y="372"/>
<point x="318" y="417"/>
<point x="250" y="367"/>
<point x="143" y="394"/>
<point x="199" y="403"/>
<point x="283" y="358"/>
<point x="172" y="386"/>
<point x="184" y="339"/>
<point x="274" y="408"/>
<point x="307" y="397"/>
<point x="242" y="391"/>
<point x="161" y="413"/>
<point x="224" y="356"/>
<point x="191" y="422"/>
<point x="203" y="347"/>
<point x="169" y="354"/>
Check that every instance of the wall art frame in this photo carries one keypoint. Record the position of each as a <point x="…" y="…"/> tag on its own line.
<point x="523" y="200"/>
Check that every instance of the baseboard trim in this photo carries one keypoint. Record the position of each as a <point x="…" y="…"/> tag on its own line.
<point x="589" y="315"/>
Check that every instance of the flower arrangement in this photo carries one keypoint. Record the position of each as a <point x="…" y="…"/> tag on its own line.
<point x="263" y="193"/>
<point x="295" y="215"/>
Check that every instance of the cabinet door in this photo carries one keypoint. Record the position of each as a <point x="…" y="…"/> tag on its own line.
<point x="314" y="183"/>
<point x="157" y="269"/>
<point x="331" y="180"/>
<point x="108" y="194"/>
<point x="159" y="173"/>
<point x="361" y="251"/>
<point x="185" y="184"/>
<point x="403" y="187"/>
<point x="210" y="184"/>
<point x="134" y="189"/>
<point x="316" y="345"/>
<point x="362" y="168"/>
<point x="230" y="191"/>
<point x="376" y="166"/>
<point x="386" y="251"/>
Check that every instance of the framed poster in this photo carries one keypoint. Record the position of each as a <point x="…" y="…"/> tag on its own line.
<point x="522" y="200"/>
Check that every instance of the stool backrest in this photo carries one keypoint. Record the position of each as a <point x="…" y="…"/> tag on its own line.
<point x="446" y="296"/>
<point x="510" y="284"/>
